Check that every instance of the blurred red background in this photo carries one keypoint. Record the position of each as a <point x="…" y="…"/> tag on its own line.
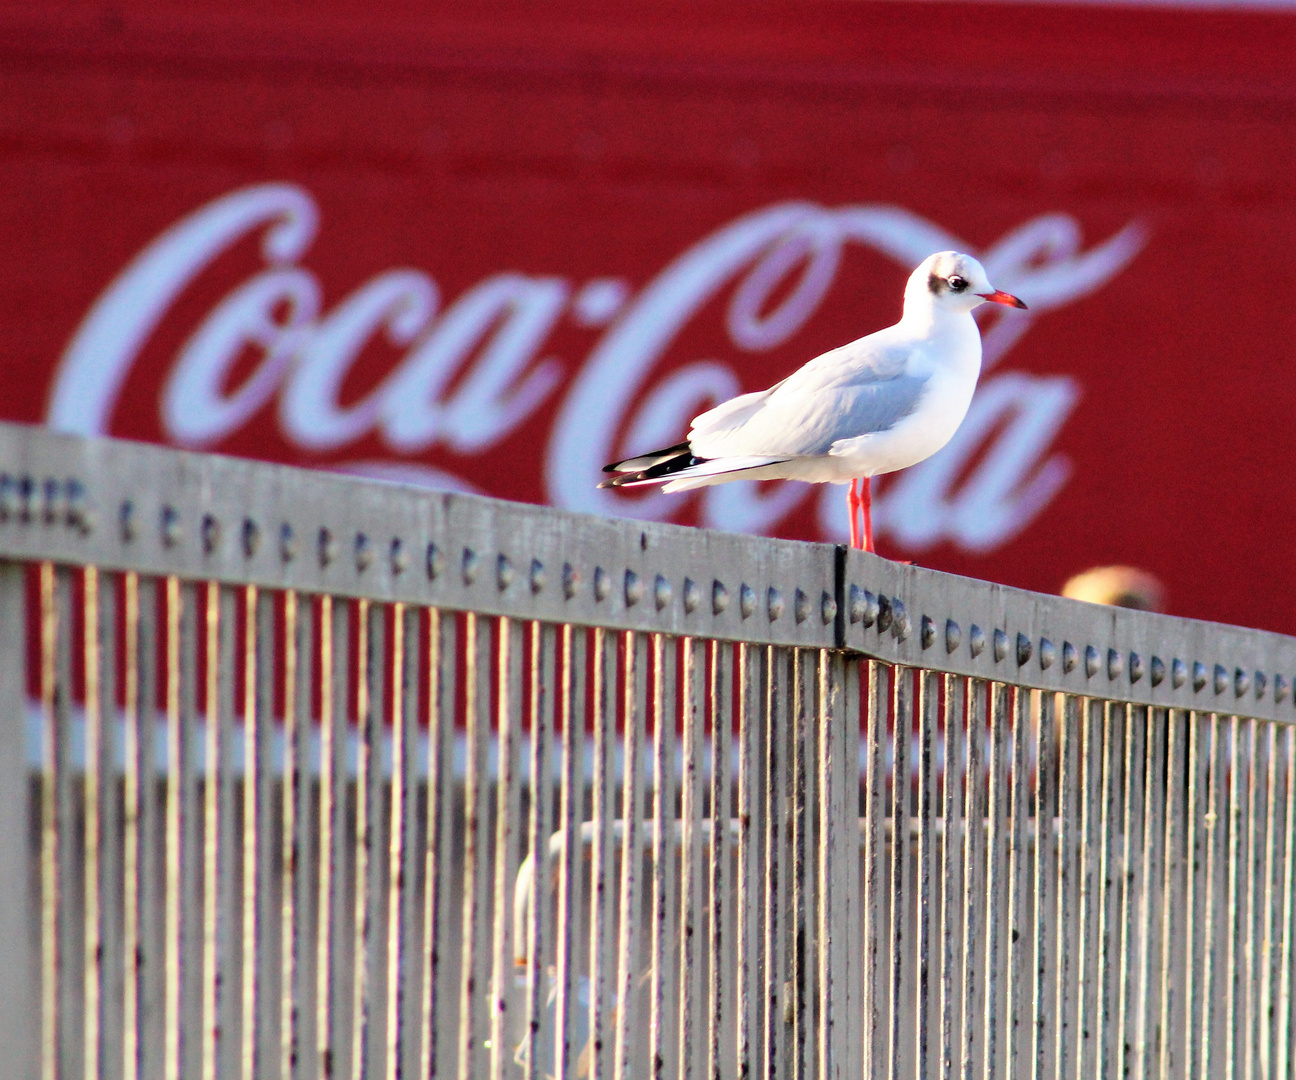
<point x="496" y="247"/>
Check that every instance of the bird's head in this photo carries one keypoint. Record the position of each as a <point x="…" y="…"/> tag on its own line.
<point x="953" y="282"/>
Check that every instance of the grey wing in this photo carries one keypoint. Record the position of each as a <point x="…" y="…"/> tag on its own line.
<point x="804" y="420"/>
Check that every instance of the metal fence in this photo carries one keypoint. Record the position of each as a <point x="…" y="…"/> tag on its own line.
<point x="305" y="776"/>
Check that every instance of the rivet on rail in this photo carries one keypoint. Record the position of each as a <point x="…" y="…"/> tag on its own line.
<point x="692" y="596"/>
<point x="210" y="534"/>
<point x="746" y="600"/>
<point x="634" y="588"/>
<point x="571" y="580"/>
<point x="1260" y="683"/>
<point x="602" y="584"/>
<point x="1179" y="674"/>
<point x="251" y="538"/>
<point x="1158" y="671"/>
<point x="1115" y="664"/>
<point x="1280" y="688"/>
<point x="827" y="608"/>
<point x="26" y="496"/>
<point x="1135" y="667"/>
<point x="953" y="636"/>
<point x="883" y="618"/>
<point x="79" y="513"/>
<point x="719" y="597"/>
<point x="1221" y="679"/>
<point x="1069" y="658"/>
<point x="1024" y="649"/>
<point x="1241" y="682"/>
<point x="900" y="625"/>
<point x="363" y="553"/>
<point x="51" y="502"/>
<point x="434" y="561"/>
<point x="327" y="547"/>
<point x="1048" y="654"/>
<point x="398" y="556"/>
<point x="1091" y="661"/>
<point x="800" y="606"/>
<point x="774" y="604"/>
<point x="537" y="576"/>
<point x="171" y="529"/>
<point x="1198" y="675"/>
<point x="976" y="640"/>
<point x="126" y="521"/>
<point x="926" y="632"/>
<point x="470" y="564"/>
<point x="504" y="572"/>
<point x="287" y="543"/>
<point x="8" y="497"/>
<point x="662" y="592"/>
<point x="1000" y="645"/>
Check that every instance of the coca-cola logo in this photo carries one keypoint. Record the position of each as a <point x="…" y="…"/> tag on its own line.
<point x="474" y="368"/>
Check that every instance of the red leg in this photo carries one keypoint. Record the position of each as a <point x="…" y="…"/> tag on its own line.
<point x="852" y="510"/>
<point x="866" y="509"/>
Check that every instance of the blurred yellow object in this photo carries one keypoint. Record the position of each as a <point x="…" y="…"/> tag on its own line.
<point x="1119" y="586"/>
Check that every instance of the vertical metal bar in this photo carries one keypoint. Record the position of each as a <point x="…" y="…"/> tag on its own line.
<point x="440" y="779"/>
<point x="603" y="814"/>
<point x="751" y="826"/>
<point x="368" y="711"/>
<point x="927" y="705"/>
<point x="1069" y="769"/>
<point x="1192" y="940"/>
<point x="258" y="719"/>
<point x="1045" y="1022"/>
<point x="851" y="950"/>
<point x="902" y="735"/>
<point x="1133" y="884"/>
<point x="20" y="1024"/>
<point x="507" y="812"/>
<point x="951" y="866"/>
<point x="333" y="684"/>
<point x="1269" y="932"/>
<point x="294" y="914"/>
<point x="1236" y="867"/>
<point x="802" y="924"/>
<point x="402" y="982"/>
<point x="1215" y="854"/>
<point x="569" y="871"/>
<point x="1172" y="899"/>
<point x="1150" y="942"/>
<point x="476" y="865"/>
<point x="540" y="823"/>
<point x="101" y="1008"/>
<point x="777" y="710"/>
<point x="663" y="839"/>
<point x="832" y="709"/>
<point x="1090" y="886"/>
<point x="55" y="678"/>
<point x="218" y="833"/>
<point x="180" y="876"/>
<point x="1283" y="1033"/>
<point x="973" y="867"/>
<point x="995" y="859"/>
<point x="690" y="853"/>
<point x="1113" y="716"/>
<point x="1251" y="911"/>
<point x="1018" y="943"/>
<point x="636" y="662"/>
<point x="718" y="992"/>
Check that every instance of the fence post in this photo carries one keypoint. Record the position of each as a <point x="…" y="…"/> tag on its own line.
<point x="18" y="986"/>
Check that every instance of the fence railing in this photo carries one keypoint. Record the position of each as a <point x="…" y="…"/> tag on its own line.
<point x="307" y="776"/>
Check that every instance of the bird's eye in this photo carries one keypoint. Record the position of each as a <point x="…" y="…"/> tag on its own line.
<point x="957" y="284"/>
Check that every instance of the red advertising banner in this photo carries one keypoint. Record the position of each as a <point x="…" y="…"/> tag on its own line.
<point x="493" y="251"/>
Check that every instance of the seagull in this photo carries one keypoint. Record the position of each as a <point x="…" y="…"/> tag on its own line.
<point x="876" y="405"/>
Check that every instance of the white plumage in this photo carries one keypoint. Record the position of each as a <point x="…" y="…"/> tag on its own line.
<point x="882" y="403"/>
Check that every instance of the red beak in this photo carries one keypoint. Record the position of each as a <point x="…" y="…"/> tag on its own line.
<point x="998" y="297"/>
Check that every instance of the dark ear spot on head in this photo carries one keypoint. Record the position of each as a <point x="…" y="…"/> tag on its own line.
<point x="934" y="284"/>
